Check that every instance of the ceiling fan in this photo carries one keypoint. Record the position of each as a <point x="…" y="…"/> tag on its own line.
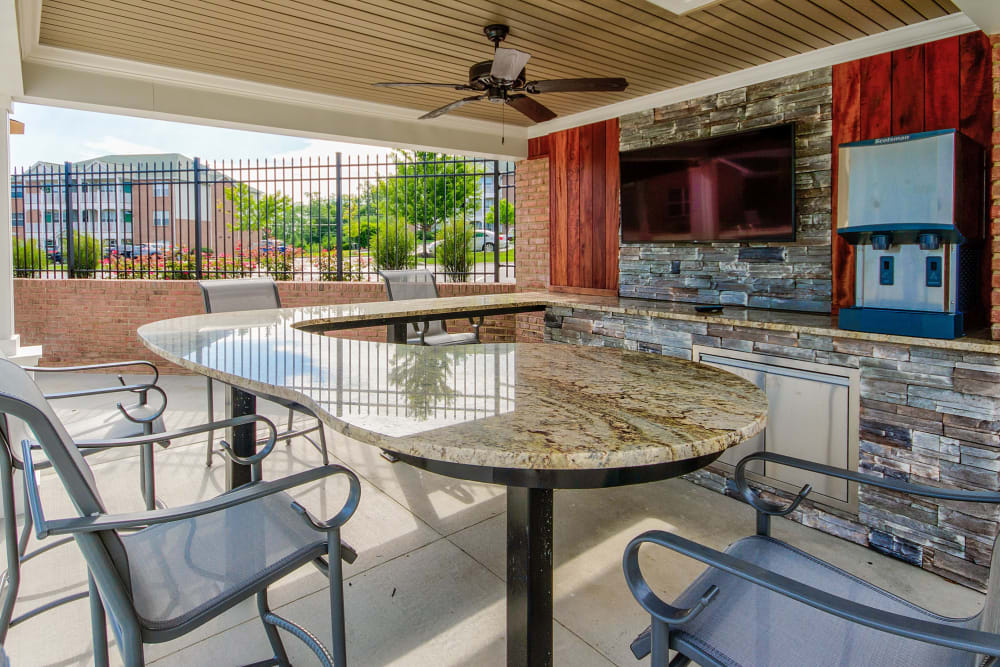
<point x="503" y="80"/>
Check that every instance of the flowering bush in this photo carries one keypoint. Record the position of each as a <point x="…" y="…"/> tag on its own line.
<point x="354" y="267"/>
<point x="280" y="265"/>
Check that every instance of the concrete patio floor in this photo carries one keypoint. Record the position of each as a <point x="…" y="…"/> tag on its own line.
<point x="427" y="588"/>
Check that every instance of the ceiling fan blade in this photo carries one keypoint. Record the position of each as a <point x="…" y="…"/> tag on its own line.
<point x="508" y="63"/>
<point x="395" y="84"/>
<point x="534" y="110"/>
<point x="576" y="85"/>
<point x="440" y="111"/>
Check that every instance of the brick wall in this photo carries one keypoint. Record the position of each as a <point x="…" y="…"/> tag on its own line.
<point x="928" y="416"/>
<point x="532" y="210"/>
<point x="995" y="196"/>
<point x="90" y="321"/>
<point x="791" y="275"/>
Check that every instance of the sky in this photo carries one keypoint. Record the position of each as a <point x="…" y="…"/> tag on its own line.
<point x="57" y="135"/>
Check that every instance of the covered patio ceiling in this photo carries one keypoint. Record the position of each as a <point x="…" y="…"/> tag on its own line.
<point x="306" y="67"/>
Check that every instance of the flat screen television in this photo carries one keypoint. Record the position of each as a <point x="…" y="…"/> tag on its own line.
<point x="735" y="187"/>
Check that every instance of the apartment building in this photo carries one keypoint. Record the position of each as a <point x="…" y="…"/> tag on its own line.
<point x="125" y="200"/>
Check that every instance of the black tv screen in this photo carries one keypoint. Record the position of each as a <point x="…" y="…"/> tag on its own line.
<point x="736" y="187"/>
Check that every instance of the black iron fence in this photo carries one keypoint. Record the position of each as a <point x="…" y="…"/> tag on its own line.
<point x="335" y="219"/>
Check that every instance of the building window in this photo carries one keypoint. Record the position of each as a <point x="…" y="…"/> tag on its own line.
<point x="52" y="216"/>
<point x="90" y="215"/>
<point x="161" y="218"/>
<point x="127" y="188"/>
<point x="17" y="192"/>
<point x="160" y="189"/>
<point x="128" y="217"/>
<point x="17" y="219"/>
<point x="109" y="215"/>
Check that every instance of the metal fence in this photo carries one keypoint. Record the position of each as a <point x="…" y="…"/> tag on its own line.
<point x="341" y="218"/>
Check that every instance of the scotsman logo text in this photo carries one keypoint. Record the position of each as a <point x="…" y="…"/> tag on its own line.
<point x="892" y="140"/>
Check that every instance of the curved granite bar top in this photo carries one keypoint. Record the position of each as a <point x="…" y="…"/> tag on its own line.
<point x="504" y="405"/>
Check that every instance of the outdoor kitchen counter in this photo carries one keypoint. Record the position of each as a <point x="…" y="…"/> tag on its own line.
<point x="501" y="405"/>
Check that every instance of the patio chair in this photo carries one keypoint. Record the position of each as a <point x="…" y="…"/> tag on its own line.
<point x="419" y="284"/>
<point x="763" y="602"/>
<point x="137" y="419"/>
<point x="184" y="566"/>
<point x="227" y="296"/>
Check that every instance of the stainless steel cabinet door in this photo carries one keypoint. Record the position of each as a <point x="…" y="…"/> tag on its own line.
<point x="807" y="417"/>
<point x="733" y="455"/>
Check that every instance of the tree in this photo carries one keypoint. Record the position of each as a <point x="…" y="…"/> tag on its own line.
<point x="506" y="217"/>
<point x="426" y="190"/>
<point x="251" y="209"/>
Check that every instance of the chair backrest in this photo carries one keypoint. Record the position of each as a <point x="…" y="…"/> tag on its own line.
<point x="227" y="296"/>
<point x="20" y="397"/>
<point x="407" y="284"/>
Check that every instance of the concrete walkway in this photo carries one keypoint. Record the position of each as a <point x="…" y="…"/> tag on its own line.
<point x="427" y="588"/>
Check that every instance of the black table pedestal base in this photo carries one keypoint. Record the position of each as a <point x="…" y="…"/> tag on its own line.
<point x="529" y="577"/>
<point x="243" y="438"/>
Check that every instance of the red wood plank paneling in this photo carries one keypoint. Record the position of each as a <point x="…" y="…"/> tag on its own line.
<point x="572" y="204"/>
<point x="612" y="210"/>
<point x="941" y="101"/>
<point x="538" y="147"/>
<point x="599" y="253"/>
<point x="875" y="97"/>
<point x="558" y="177"/>
<point x="847" y="113"/>
<point x="589" y="224"/>
<point x="583" y="203"/>
<point x="975" y="87"/>
<point x="908" y="90"/>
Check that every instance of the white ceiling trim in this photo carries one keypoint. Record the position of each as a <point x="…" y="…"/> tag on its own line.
<point x="986" y="13"/>
<point x="899" y="38"/>
<point x="10" y="57"/>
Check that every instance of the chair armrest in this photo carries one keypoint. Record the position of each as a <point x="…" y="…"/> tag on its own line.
<point x="156" y="415"/>
<point x="766" y="507"/>
<point x="97" y="391"/>
<point x="963" y="639"/>
<point x="91" y="367"/>
<point x="476" y="325"/>
<point x="100" y="522"/>
<point x="177" y="433"/>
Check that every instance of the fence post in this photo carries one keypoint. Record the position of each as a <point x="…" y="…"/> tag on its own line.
<point x="340" y="224"/>
<point x="197" y="218"/>
<point x="67" y="180"/>
<point x="496" y="221"/>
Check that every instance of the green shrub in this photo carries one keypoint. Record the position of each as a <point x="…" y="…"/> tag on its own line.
<point x="395" y="246"/>
<point x="452" y="251"/>
<point x="327" y="264"/>
<point x="179" y="267"/>
<point x="87" y="256"/>
<point x="29" y="259"/>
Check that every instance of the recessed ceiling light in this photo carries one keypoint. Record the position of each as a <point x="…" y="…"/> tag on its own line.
<point x="680" y="7"/>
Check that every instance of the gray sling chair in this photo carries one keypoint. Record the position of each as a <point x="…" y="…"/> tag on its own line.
<point x="187" y="565"/>
<point x="763" y="602"/>
<point x="419" y="284"/>
<point x="227" y="296"/>
<point x="137" y="419"/>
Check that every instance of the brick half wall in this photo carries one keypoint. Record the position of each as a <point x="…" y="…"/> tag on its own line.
<point x="532" y="241"/>
<point x="93" y="321"/>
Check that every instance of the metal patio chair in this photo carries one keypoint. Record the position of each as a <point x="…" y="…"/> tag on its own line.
<point x="136" y="419"/>
<point x="764" y="602"/>
<point x="419" y="284"/>
<point x="183" y="566"/>
<point x="227" y="296"/>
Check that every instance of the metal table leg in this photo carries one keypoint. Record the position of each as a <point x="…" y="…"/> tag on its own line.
<point x="529" y="576"/>
<point x="243" y="438"/>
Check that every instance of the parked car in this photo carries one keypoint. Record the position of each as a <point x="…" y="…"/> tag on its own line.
<point x="52" y="251"/>
<point x="271" y="245"/>
<point x="487" y="241"/>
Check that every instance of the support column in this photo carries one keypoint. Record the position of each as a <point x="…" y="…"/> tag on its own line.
<point x="9" y="341"/>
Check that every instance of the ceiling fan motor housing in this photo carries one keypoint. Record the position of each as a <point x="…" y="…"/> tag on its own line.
<point x="480" y="78"/>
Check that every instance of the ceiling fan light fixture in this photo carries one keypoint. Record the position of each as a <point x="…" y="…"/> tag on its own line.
<point x="681" y="7"/>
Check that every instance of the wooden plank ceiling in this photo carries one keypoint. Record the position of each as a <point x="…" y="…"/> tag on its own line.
<point x="340" y="47"/>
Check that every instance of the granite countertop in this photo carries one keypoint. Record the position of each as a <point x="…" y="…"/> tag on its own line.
<point x="509" y="405"/>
